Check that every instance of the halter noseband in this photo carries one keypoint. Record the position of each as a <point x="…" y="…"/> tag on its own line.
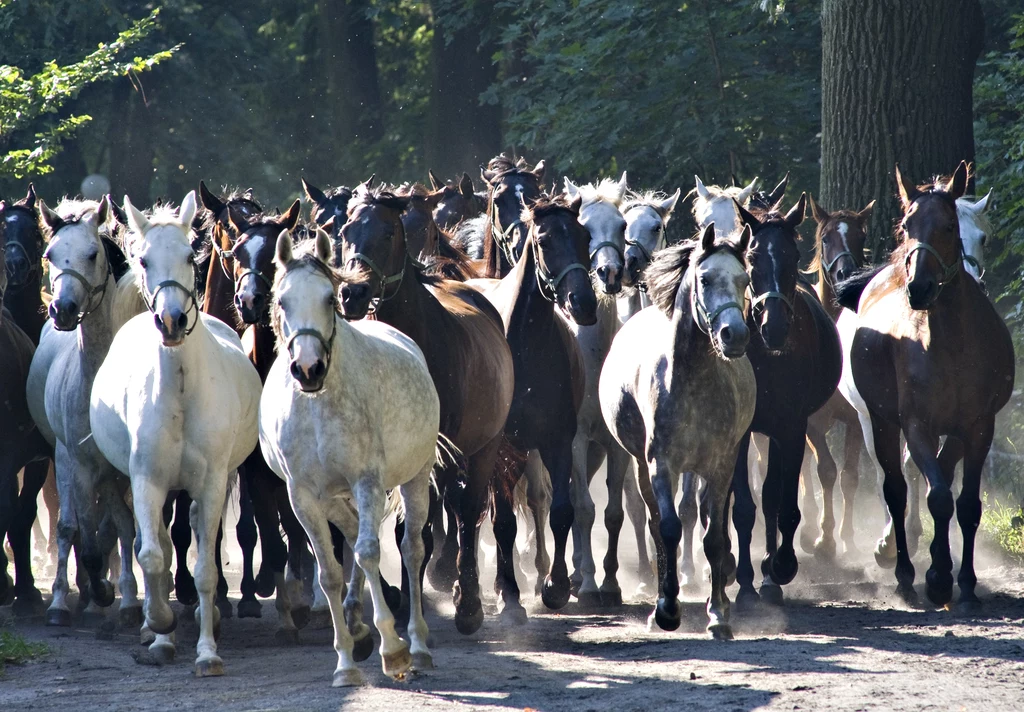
<point x="948" y="271"/>
<point x="705" y="320"/>
<point x="230" y="255"/>
<point x="33" y="266"/>
<point x="90" y="290"/>
<point x="607" y="243"/>
<point x="845" y="253"/>
<point x="545" y="279"/>
<point x="193" y="298"/>
<point x="503" y="237"/>
<point x="760" y="299"/>
<point x="326" y="343"/>
<point x="385" y="281"/>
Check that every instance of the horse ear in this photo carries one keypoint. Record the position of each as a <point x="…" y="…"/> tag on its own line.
<point x="908" y="191"/>
<point x="328" y="226"/>
<point x="570" y="188"/>
<point x="746" y="216"/>
<point x="292" y="216"/>
<point x="669" y="204"/>
<point x="314" y="194"/>
<point x="136" y="220"/>
<point x="957" y="185"/>
<point x="982" y="205"/>
<point x="574" y="205"/>
<point x="795" y="216"/>
<point x="745" y="194"/>
<point x="323" y="245"/>
<point x="622" y="187"/>
<point x="118" y="213"/>
<point x="283" y="250"/>
<point x="51" y="221"/>
<point x="466" y="185"/>
<point x="30" y="197"/>
<point x="487" y="175"/>
<point x="744" y="242"/>
<point x="538" y="170"/>
<point x="366" y="184"/>
<point x="780" y="190"/>
<point x="210" y="201"/>
<point x="187" y="211"/>
<point x="702" y="189"/>
<point x="819" y="213"/>
<point x="103" y="211"/>
<point x="866" y="212"/>
<point x="736" y="183"/>
<point x="435" y="182"/>
<point x="707" y="240"/>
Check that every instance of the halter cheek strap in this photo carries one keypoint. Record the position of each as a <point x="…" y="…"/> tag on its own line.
<point x="706" y="320"/>
<point x="606" y="243"/>
<point x="760" y="299"/>
<point x="504" y="236"/>
<point x="326" y="343"/>
<point x="91" y="303"/>
<point x="385" y="281"/>
<point x="948" y="271"/>
<point x="844" y="253"/>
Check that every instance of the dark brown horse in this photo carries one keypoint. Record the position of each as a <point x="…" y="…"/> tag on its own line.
<point x="461" y="337"/>
<point x="797" y="363"/>
<point x="931" y="357"/>
<point x="457" y="201"/>
<point x="551" y="269"/>
<point x="328" y="205"/>
<point x="502" y="234"/>
<point x="838" y="252"/>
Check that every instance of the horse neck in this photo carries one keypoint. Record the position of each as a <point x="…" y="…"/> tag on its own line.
<point x="263" y="352"/>
<point x="826" y="294"/>
<point x="413" y="310"/>
<point x="218" y="299"/>
<point x="691" y="347"/>
<point x="96" y="332"/>
<point x="26" y="307"/>
<point x="530" y="309"/>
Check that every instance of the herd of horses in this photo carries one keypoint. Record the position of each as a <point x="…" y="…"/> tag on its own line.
<point x="451" y="354"/>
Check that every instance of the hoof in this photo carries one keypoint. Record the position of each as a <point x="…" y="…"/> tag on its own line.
<point x="347" y="678"/>
<point x="611" y="599"/>
<point x="224" y="606"/>
<point x="321" y="619"/>
<point x="512" y="616"/>
<point x="287" y="636"/>
<point x="720" y="631"/>
<point x="784" y="567"/>
<point x="362" y="648"/>
<point x="907" y="593"/>
<point x="422" y="661"/>
<point x="393" y="597"/>
<point x="164" y="630"/>
<point x="771" y="594"/>
<point x="747" y="600"/>
<point x="397" y="663"/>
<point x="968" y="606"/>
<point x="146" y="636"/>
<point x="250" y="609"/>
<point x="575" y="582"/>
<point x="265" y="585"/>
<point x="825" y="550"/>
<point x="885" y="555"/>
<point x="211" y="667"/>
<point x="130" y="617"/>
<point x="590" y="599"/>
<point x="468" y="623"/>
<point x="667" y="615"/>
<point x="442" y="577"/>
<point x="185" y="588"/>
<point x="555" y="595"/>
<point x="939" y="588"/>
<point x="162" y="653"/>
<point x="300" y="616"/>
<point x="28" y="604"/>
<point x="807" y="541"/>
<point x="103" y="596"/>
<point x="58" y="617"/>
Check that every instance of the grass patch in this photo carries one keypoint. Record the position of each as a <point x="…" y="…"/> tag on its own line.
<point x="1002" y="524"/>
<point x="15" y="650"/>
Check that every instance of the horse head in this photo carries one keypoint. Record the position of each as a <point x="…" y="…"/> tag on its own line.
<point x="305" y="308"/>
<point x="839" y="240"/>
<point x="512" y="186"/>
<point x="774" y="265"/>
<point x="421" y="232"/>
<point x="373" y="249"/>
<point x="599" y="214"/>
<point x="456" y="202"/>
<point x="718" y="205"/>
<point x="78" y="264"/>
<point x="160" y="248"/>
<point x="647" y="217"/>
<point x="974" y="231"/>
<point x="332" y="204"/>
<point x="931" y="250"/>
<point x="717" y="291"/>
<point x="23" y="242"/>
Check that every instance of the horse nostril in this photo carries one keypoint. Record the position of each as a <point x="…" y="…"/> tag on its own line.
<point x="295" y="370"/>
<point x="602" y="273"/>
<point x="159" y="321"/>
<point x="182" y="321"/>
<point x="257" y="299"/>
<point x="725" y="333"/>
<point x="317" y="372"/>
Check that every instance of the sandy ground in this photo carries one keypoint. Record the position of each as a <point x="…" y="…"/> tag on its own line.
<point x="842" y="641"/>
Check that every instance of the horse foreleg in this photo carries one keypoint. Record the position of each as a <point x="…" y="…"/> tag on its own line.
<point x="28" y="600"/>
<point x="130" y="611"/>
<point x="637" y="510"/>
<point x="416" y="501"/>
<point x="744" y="515"/>
<point x="717" y="551"/>
<point x="825" y="545"/>
<point x="886" y="440"/>
<point x="664" y="482"/>
<point x="538" y="501"/>
<point x="297" y="551"/>
<point x="181" y="535"/>
<point x="558" y="459"/>
<point x="849" y="480"/>
<point x="616" y="464"/>
<point x="84" y="499"/>
<point x="206" y="514"/>
<point x="914" y="526"/>
<point x="245" y="533"/>
<point x="331" y="577"/>
<point x="583" y="523"/>
<point x="643" y="479"/>
<point x="688" y="521"/>
<point x="784" y="565"/>
<point x="51" y="499"/>
<point x="469" y="502"/>
<point x="968" y="510"/>
<point x="154" y="559"/>
<point x="59" y="614"/>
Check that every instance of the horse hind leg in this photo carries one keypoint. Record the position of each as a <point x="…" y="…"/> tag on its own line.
<point x="583" y="523"/>
<point x="538" y="501"/>
<point x="825" y="544"/>
<point x="717" y="551"/>
<point x="181" y="536"/>
<point x="667" y="613"/>
<point x="130" y="611"/>
<point x="616" y="465"/>
<point x="744" y="516"/>
<point x="688" y="518"/>
<point x="84" y="498"/>
<point x="784" y="565"/>
<point x="886" y="441"/>
<point x="915" y="528"/>
<point x="416" y="502"/>
<point x="469" y="502"/>
<point x="849" y="481"/>
<point x="558" y="460"/>
<point x="443" y="571"/>
<point x="968" y="512"/>
<point x="246" y="534"/>
<point x="637" y="511"/>
<point x="504" y="525"/>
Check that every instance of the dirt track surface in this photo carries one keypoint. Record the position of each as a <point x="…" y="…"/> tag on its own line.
<point x="840" y="642"/>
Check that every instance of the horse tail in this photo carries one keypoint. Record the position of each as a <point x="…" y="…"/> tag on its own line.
<point x="536" y="479"/>
<point x="446" y="454"/>
<point x="849" y="290"/>
<point x="508" y="469"/>
<point x="128" y="300"/>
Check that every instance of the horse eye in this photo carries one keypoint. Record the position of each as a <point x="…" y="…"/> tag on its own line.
<point x="191" y="259"/>
<point x="92" y="257"/>
<point x="984" y="239"/>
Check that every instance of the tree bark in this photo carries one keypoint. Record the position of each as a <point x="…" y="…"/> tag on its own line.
<point x="131" y="141"/>
<point x="897" y="78"/>
<point x="462" y="133"/>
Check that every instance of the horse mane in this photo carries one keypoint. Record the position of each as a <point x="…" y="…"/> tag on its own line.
<point x="450" y="262"/>
<point x="382" y="195"/>
<point x="664" y="275"/>
<point x="717" y="192"/>
<point x="607" y="191"/>
<point x="128" y="299"/>
<point x="415" y="191"/>
<point x="648" y="199"/>
<point x="469" y="235"/>
<point x="547" y="205"/>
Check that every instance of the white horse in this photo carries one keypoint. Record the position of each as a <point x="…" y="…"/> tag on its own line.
<point x="714" y="205"/>
<point x="349" y="411"/>
<point x="174" y="406"/>
<point x="72" y="347"/>
<point x="975" y="228"/>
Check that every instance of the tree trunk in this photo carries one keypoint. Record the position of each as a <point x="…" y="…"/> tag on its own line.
<point x="896" y="87"/>
<point x="462" y="134"/>
<point x="131" y="143"/>
<point x="349" y="62"/>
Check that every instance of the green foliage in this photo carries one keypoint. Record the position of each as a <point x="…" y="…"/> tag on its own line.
<point x="1003" y="526"/>
<point x="15" y="650"/>
<point x="35" y="99"/>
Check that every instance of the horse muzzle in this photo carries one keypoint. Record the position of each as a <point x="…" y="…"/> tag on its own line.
<point x="355" y="300"/>
<point x="253" y="308"/>
<point x="610" y="278"/>
<point x="310" y="377"/>
<point x="581" y="308"/>
<point x="631" y="272"/>
<point x="733" y="339"/>
<point x="922" y="293"/>
<point x="172" y="325"/>
<point x="64" y="313"/>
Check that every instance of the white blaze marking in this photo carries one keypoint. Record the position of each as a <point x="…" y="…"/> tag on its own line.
<point x="844" y="228"/>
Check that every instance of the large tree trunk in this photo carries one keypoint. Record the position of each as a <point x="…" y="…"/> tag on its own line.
<point x="349" y="61"/>
<point x="462" y="134"/>
<point x="896" y="85"/>
<point x="131" y="141"/>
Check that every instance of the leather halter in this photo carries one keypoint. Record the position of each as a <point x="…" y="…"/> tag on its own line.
<point x="948" y="271"/>
<point x="385" y="280"/>
<point x="326" y="343"/>
<point x="503" y="236"/>
<point x="704" y="319"/>
<point x="544" y="278"/>
<point x="845" y="253"/>
<point x="193" y="297"/>
<point x="223" y="255"/>
<point x="760" y="299"/>
<point x="90" y="290"/>
<point x="607" y="243"/>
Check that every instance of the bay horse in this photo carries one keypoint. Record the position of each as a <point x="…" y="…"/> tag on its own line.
<point x="348" y="412"/>
<point x="461" y="337"/>
<point x="21" y="443"/>
<point x="72" y="347"/>
<point x="174" y="406"/>
<point x="797" y="362"/>
<point x="457" y="201"/>
<point x="678" y="393"/>
<point x="929" y="356"/>
<point x="549" y="271"/>
<point x="242" y="274"/>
